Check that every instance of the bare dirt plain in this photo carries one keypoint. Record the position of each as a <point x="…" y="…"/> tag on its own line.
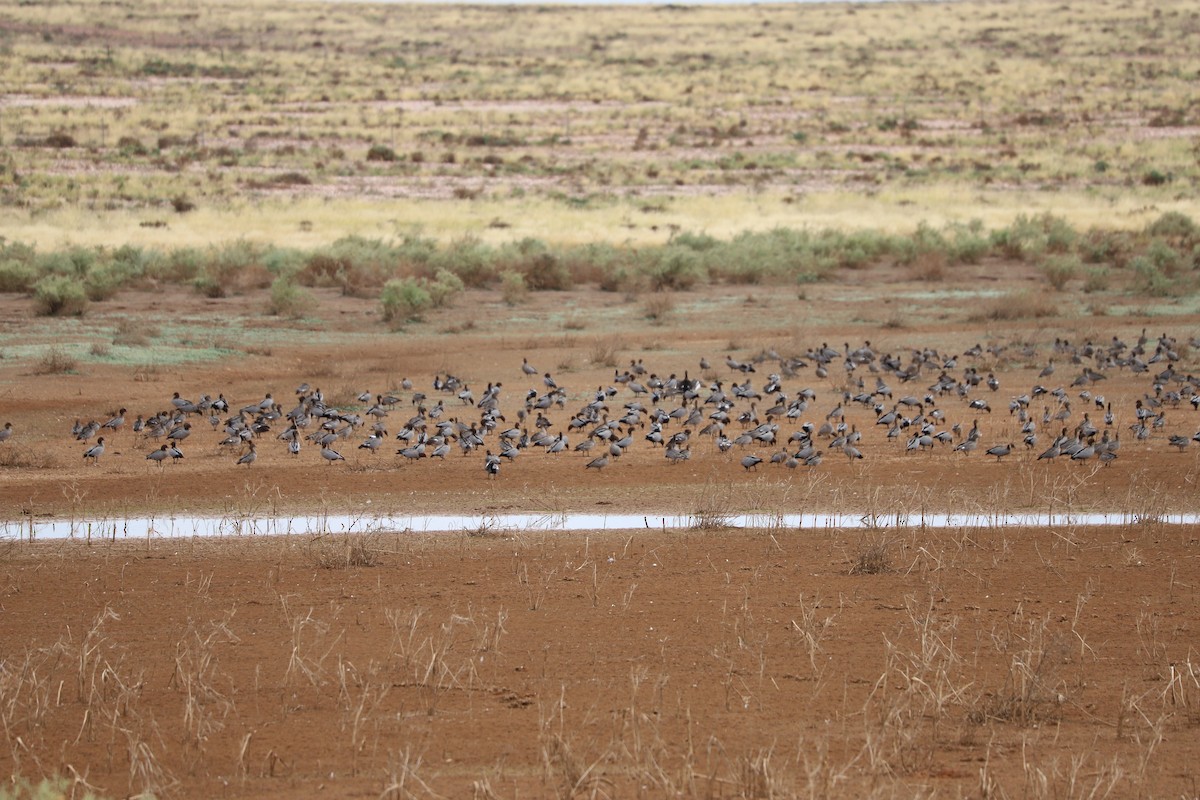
<point x="710" y="662"/>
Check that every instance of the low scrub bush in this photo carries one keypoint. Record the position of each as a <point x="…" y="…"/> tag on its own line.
<point x="17" y="276"/>
<point x="380" y="152"/>
<point x="1151" y="280"/>
<point x="134" y="333"/>
<point x="104" y="282"/>
<point x="60" y="295"/>
<point x="512" y="287"/>
<point x="1174" y="225"/>
<point x="1165" y="258"/>
<point x="471" y="260"/>
<point x="1027" y="238"/>
<point x="1013" y="306"/>
<point x="657" y="307"/>
<point x="546" y="272"/>
<point x="55" y="361"/>
<point x="356" y="265"/>
<point x="1106" y="247"/>
<point x="591" y="263"/>
<point x="541" y="266"/>
<point x="232" y="268"/>
<point x="1096" y="279"/>
<point x="444" y="287"/>
<point x="675" y="267"/>
<point x="74" y="262"/>
<point x="968" y="244"/>
<point x="289" y="299"/>
<point x="403" y="300"/>
<point x="1060" y="270"/>
<point x="179" y="265"/>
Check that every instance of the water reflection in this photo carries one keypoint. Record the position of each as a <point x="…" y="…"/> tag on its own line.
<point x="176" y="527"/>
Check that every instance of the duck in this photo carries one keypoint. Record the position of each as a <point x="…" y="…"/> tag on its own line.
<point x="248" y="457"/>
<point x="95" y="451"/>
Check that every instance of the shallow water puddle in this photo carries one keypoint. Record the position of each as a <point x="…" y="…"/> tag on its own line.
<point x="187" y="527"/>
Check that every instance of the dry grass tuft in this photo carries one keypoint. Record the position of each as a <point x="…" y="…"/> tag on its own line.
<point x="874" y="558"/>
<point x="604" y="352"/>
<point x="1014" y="306"/>
<point x="55" y="361"/>
<point x="343" y="552"/>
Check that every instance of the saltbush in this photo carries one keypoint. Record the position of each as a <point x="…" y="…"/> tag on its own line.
<point x="403" y="299"/>
<point x="512" y="287"/>
<point x="17" y="276"/>
<point x="289" y="299"/>
<point x="60" y="295"/>
<point x="1173" y="225"/>
<point x="444" y="287"/>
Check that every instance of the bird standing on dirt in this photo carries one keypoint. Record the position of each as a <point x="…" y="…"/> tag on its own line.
<point x="491" y="464"/>
<point x="6" y="434"/>
<point x="160" y="455"/>
<point x="1000" y="451"/>
<point x="95" y="451"/>
<point x="330" y="455"/>
<point x="248" y="458"/>
<point x="181" y="432"/>
<point x="117" y="421"/>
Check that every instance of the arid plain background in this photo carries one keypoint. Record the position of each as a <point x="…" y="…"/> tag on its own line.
<point x="218" y="199"/>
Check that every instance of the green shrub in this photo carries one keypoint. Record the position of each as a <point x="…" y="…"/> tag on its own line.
<point x="289" y="299"/>
<point x="230" y="268"/>
<point x="1149" y="279"/>
<point x="355" y="264"/>
<point x="74" y="262"/>
<point x="1173" y="225"/>
<point x="17" y="251"/>
<point x="180" y="265"/>
<point x="444" y="287"/>
<point x="545" y="272"/>
<point x="512" y="287"/>
<point x="541" y="266"/>
<point x="1164" y="257"/>
<point x="469" y="259"/>
<point x="403" y="299"/>
<point x="968" y="244"/>
<point x="282" y="261"/>
<point x="1095" y="280"/>
<point x="104" y="282"/>
<point x="1106" y="247"/>
<point x="675" y="267"/>
<point x="1023" y="240"/>
<point x="591" y="263"/>
<point x="17" y="276"/>
<point x="1060" y="236"/>
<point x="699" y="242"/>
<point x="617" y="279"/>
<point x="1059" y="270"/>
<point x="208" y="285"/>
<point x="380" y="152"/>
<point x="60" y="295"/>
<point x="1155" y="177"/>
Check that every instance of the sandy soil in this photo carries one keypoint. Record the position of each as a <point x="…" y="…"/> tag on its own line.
<point x="706" y="663"/>
<point x="709" y="662"/>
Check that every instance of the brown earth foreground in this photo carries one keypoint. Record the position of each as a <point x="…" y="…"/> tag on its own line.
<point x="706" y="663"/>
<point x="709" y="662"/>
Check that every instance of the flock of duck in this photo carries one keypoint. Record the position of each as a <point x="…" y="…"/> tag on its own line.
<point x="911" y="400"/>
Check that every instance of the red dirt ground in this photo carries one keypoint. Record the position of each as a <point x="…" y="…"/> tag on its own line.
<point x="709" y="662"/>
